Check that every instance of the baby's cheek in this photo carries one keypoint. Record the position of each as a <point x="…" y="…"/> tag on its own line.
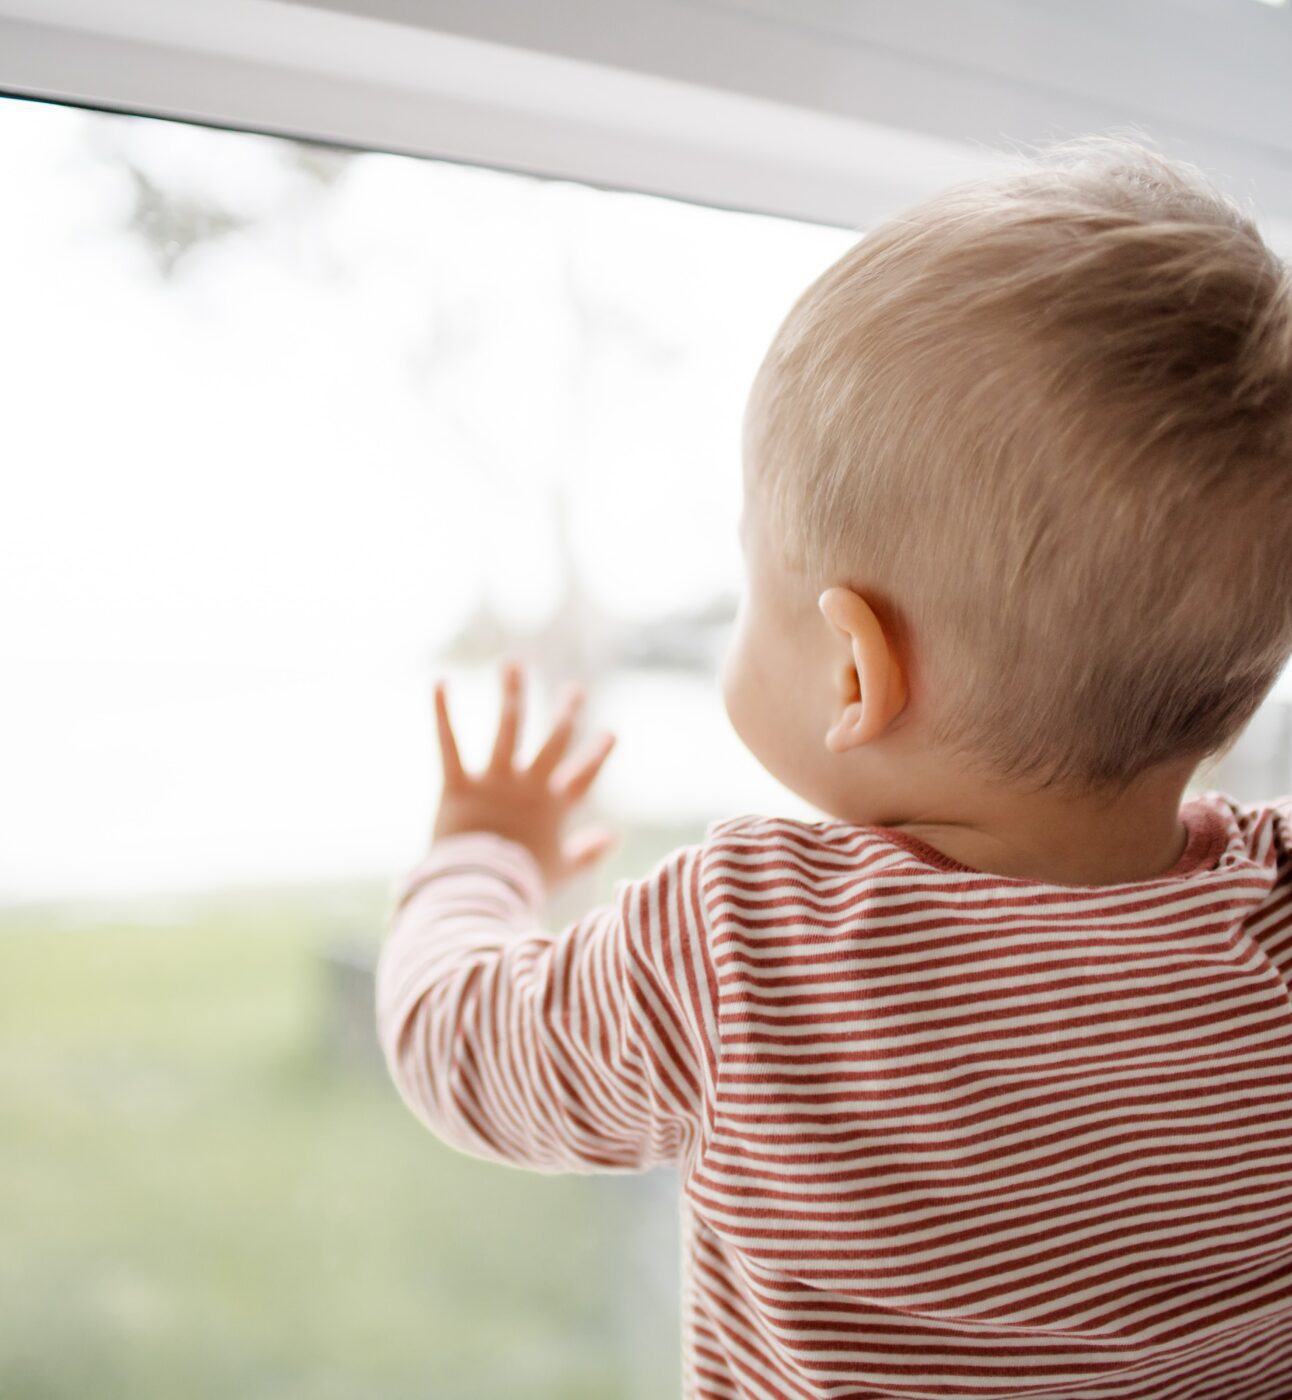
<point x="753" y="703"/>
<point x="744" y="692"/>
<point x="729" y="680"/>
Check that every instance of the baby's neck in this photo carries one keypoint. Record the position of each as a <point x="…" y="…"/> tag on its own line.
<point x="1137" y="835"/>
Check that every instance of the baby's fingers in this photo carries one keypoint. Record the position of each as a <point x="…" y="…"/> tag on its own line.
<point x="587" y="847"/>
<point x="574" y="783"/>
<point x="449" y="759"/>
<point x="546" y="759"/>
<point x="509" y="724"/>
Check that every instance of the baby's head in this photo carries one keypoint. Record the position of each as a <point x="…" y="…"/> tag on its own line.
<point x="1018" y="491"/>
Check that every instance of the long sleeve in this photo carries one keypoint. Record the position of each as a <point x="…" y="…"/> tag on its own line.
<point x="590" y="1049"/>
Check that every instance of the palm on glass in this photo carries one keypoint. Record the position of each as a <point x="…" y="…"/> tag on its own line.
<point x="528" y="804"/>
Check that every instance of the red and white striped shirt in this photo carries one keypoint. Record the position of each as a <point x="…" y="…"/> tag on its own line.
<point x="939" y="1132"/>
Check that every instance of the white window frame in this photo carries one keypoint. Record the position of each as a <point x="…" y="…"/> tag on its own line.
<point x="834" y="111"/>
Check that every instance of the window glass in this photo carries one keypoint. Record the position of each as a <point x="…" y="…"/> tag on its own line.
<point x="289" y="431"/>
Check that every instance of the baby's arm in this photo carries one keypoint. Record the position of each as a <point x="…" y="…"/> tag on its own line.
<point x="585" y="1050"/>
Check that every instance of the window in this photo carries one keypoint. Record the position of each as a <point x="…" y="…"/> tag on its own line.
<point x="290" y="431"/>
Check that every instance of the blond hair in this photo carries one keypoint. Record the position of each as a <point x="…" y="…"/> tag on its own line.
<point x="1043" y="423"/>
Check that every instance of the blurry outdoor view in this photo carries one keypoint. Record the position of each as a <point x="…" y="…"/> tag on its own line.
<point x="290" y="431"/>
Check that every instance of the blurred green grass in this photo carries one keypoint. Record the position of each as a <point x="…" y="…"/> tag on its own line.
<point x="199" y="1198"/>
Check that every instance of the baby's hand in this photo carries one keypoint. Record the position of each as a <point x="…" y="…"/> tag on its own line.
<point x="527" y="804"/>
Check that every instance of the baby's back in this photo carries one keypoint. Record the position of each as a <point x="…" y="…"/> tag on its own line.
<point x="976" y="1136"/>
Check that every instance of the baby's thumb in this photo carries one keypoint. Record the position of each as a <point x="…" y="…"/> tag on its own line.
<point x="587" y="847"/>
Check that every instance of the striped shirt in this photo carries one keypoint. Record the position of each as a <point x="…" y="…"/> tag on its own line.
<point x="939" y="1132"/>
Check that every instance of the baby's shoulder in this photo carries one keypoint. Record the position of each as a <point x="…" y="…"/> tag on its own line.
<point x="751" y="826"/>
<point x="1249" y="825"/>
<point x="751" y="834"/>
<point x="770" y="870"/>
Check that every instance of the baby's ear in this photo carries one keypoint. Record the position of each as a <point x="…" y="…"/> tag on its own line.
<point x="880" y="680"/>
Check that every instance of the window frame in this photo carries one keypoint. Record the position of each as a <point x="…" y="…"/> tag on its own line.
<point x="808" y="109"/>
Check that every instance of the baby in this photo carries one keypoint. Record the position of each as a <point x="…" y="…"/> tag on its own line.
<point x="981" y="1085"/>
